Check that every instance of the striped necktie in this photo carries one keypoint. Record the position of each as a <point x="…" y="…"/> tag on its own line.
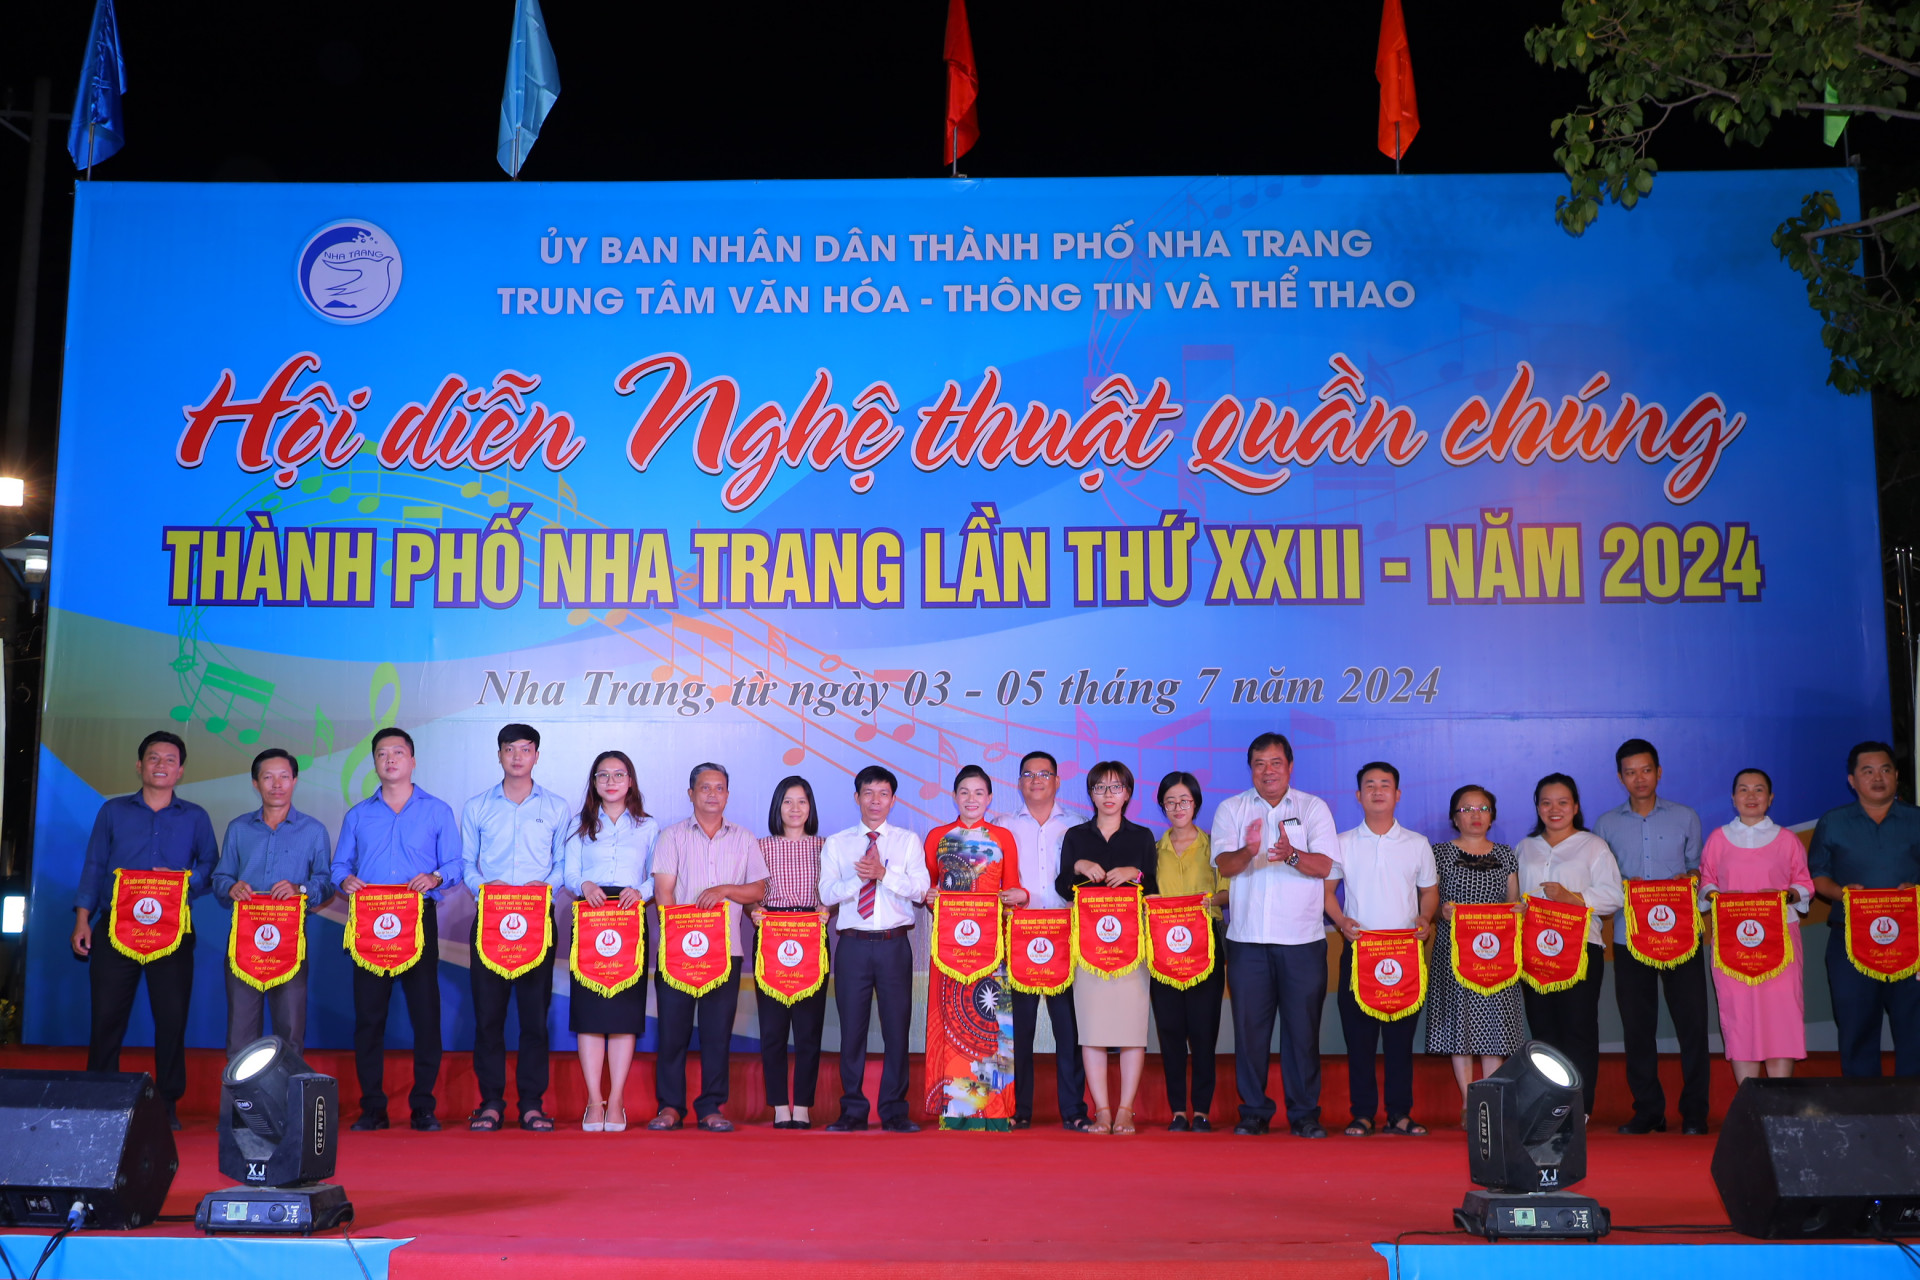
<point x="869" y="889"/>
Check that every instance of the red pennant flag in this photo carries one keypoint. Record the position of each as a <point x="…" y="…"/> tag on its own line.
<point x="963" y="85"/>
<point x="1393" y="68"/>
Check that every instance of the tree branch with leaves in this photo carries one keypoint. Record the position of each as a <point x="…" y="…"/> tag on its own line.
<point x="1739" y="66"/>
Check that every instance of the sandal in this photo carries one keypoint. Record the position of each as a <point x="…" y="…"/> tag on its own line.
<point x="1102" y="1125"/>
<point x="536" y="1120"/>
<point x="716" y="1123"/>
<point x="1123" y="1125"/>
<point x="1406" y="1128"/>
<point x="1359" y="1128"/>
<point x="485" y="1120"/>
<point x="617" y="1126"/>
<point x="667" y="1119"/>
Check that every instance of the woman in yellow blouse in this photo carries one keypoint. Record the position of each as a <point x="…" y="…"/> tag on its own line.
<point x="1189" y="1021"/>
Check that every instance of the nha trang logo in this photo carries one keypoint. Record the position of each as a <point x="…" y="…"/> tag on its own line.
<point x="349" y="271"/>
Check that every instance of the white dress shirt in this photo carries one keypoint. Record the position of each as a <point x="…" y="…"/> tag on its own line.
<point x="1384" y="875"/>
<point x="1583" y="863"/>
<point x="905" y="883"/>
<point x="1270" y="902"/>
<point x="1039" y="845"/>
<point x="622" y="854"/>
<point x="501" y="840"/>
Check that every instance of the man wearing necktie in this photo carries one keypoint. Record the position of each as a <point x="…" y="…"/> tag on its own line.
<point x="873" y="873"/>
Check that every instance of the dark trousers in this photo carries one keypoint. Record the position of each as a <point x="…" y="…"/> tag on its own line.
<point x="1288" y="984"/>
<point x="1570" y="1020"/>
<point x="806" y="1020"/>
<point x="873" y="971"/>
<point x="1859" y="1003"/>
<point x="113" y="979"/>
<point x="1365" y="1034"/>
<point x="531" y="993"/>
<point x="678" y="1013"/>
<point x="1636" y="988"/>
<point x="248" y="1007"/>
<point x="1069" y="1072"/>
<point x="373" y="996"/>
<point x="1189" y="1023"/>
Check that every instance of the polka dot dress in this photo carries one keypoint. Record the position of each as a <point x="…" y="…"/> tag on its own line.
<point x="1458" y="1020"/>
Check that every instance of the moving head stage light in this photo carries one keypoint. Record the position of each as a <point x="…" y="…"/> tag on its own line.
<point x="279" y="1123"/>
<point x="1527" y="1142"/>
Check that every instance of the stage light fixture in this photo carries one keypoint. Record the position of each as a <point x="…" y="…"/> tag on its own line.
<point x="13" y="491"/>
<point x="279" y="1126"/>
<point x="13" y="913"/>
<point x="32" y="554"/>
<point x="1526" y="1143"/>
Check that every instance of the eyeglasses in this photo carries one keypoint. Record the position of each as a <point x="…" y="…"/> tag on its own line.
<point x="1036" y="774"/>
<point x="1178" y="802"/>
<point x="1110" y="789"/>
<point x="609" y="777"/>
<point x="1473" y="808"/>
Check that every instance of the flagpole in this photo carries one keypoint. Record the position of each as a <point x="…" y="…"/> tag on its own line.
<point x="90" y="149"/>
<point x="1396" y="147"/>
<point x="956" y="148"/>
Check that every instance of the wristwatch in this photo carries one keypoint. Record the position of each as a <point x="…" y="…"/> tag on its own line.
<point x="1293" y="858"/>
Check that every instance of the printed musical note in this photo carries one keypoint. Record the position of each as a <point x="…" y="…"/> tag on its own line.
<point x="237" y="685"/>
<point x="565" y="501"/>
<point x="322" y="739"/>
<point x="795" y="754"/>
<point x="386" y="679"/>
<point x="423" y="514"/>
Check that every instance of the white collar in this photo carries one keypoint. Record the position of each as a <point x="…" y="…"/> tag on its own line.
<point x="1758" y="836"/>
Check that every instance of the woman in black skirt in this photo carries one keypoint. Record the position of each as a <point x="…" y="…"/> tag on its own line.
<point x="608" y="855"/>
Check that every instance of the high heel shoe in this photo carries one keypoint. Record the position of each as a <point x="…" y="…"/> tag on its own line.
<point x="1103" y="1122"/>
<point x="1123" y="1120"/>
<point x="594" y="1126"/>
<point x="614" y="1126"/>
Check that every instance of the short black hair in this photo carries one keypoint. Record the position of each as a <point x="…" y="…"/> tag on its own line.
<point x="708" y="766"/>
<point x="1764" y="777"/>
<point x="1560" y="779"/>
<point x="391" y="731"/>
<point x="875" y="773"/>
<point x="519" y="733"/>
<point x="972" y="771"/>
<point x="1453" y="805"/>
<point x="1370" y="766"/>
<point x="1635" y="747"/>
<point x="1853" y="756"/>
<point x="1110" y="769"/>
<point x="1266" y="740"/>
<point x="776" y="821"/>
<point x="1178" y="778"/>
<point x="180" y="744"/>
<point x="1040" y="755"/>
<point x="275" y="753"/>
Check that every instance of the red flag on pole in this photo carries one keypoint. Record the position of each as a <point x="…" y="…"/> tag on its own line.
<point x="1393" y="68"/>
<point x="963" y="85"/>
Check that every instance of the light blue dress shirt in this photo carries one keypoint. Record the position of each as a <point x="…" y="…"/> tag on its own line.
<point x="298" y="850"/>
<point x="1664" y="845"/>
<point x="501" y="840"/>
<point x="384" y="847"/>
<point x="621" y="855"/>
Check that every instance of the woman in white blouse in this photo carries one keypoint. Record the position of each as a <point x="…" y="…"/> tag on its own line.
<point x="1562" y="861"/>
<point x="606" y="855"/>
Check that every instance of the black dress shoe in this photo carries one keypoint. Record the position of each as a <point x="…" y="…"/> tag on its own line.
<point x="1201" y="1124"/>
<point x="901" y="1125"/>
<point x="369" y="1121"/>
<point x="173" y="1118"/>
<point x="1076" y="1125"/>
<point x="1694" y="1128"/>
<point x="1180" y="1124"/>
<point x="1645" y="1124"/>
<point x="1251" y="1128"/>
<point x="424" y="1122"/>
<point x="1020" y="1122"/>
<point x="844" y="1125"/>
<point x="1308" y="1129"/>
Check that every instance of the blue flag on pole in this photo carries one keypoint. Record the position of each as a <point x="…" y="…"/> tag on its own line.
<point x="98" y="129"/>
<point x="533" y="85"/>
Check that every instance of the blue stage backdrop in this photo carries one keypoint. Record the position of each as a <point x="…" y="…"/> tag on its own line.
<point x="796" y="476"/>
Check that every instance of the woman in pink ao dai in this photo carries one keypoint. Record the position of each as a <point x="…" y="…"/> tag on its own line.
<point x="1763" y="1025"/>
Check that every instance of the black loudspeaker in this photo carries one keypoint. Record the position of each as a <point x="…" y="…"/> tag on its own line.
<point x="1821" y="1157"/>
<point x="99" y="1137"/>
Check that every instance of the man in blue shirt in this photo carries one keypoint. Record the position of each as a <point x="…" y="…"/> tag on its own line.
<point x="1655" y="839"/>
<point x="399" y="835"/>
<point x="273" y="852"/>
<point x="151" y="830"/>
<point x="507" y="838"/>
<point x="1873" y="843"/>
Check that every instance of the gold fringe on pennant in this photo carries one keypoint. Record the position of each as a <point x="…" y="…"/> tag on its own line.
<point x="1007" y="948"/>
<point x="726" y="933"/>
<point x="999" y="945"/>
<point x="1579" y="974"/>
<point x="1846" y="908"/>
<point x="1633" y="925"/>
<point x="1206" y="923"/>
<point x="380" y="970"/>
<point x="1468" y="983"/>
<point x="639" y="956"/>
<point x="1786" y="951"/>
<point x="760" y="968"/>
<point x="1139" y="933"/>
<point x="1353" y="984"/>
<point x="186" y="920"/>
<point x="480" y="931"/>
<point x="300" y="956"/>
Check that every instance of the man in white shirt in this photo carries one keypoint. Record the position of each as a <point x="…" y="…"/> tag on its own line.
<point x="506" y="838"/>
<point x="1383" y="878"/>
<point x="1038" y="828"/>
<point x="874" y="874"/>
<point x="1275" y="845"/>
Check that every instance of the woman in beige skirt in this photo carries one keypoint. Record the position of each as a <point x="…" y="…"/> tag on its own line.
<point x="1110" y="849"/>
